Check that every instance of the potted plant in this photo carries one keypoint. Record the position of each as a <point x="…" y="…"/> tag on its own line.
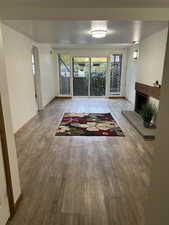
<point x="148" y="112"/>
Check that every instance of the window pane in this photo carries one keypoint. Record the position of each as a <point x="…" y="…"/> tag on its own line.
<point x="81" y="72"/>
<point x="99" y="59"/>
<point x="81" y="59"/>
<point x="33" y="61"/>
<point x="66" y="60"/>
<point x="112" y="58"/>
<point x="98" y="76"/>
<point x="117" y="58"/>
<point x="33" y="64"/>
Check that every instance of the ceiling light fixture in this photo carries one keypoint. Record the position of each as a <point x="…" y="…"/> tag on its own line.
<point x="99" y="33"/>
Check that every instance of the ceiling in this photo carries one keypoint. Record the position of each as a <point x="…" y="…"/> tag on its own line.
<point x="86" y="3"/>
<point x="77" y="33"/>
<point x="26" y="11"/>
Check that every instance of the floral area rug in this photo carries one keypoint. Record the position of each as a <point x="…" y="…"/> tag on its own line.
<point x="88" y="124"/>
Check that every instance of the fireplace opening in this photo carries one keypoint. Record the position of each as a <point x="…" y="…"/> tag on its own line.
<point x="141" y="99"/>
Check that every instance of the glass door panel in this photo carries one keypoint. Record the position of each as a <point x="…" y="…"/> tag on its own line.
<point x="98" y="76"/>
<point x="81" y="73"/>
<point x="64" y="74"/>
<point x="115" y="75"/>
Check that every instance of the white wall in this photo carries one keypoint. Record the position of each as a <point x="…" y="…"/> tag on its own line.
<point x="89" y="51"/>
<point x="151" y="58"/>
<point x="19" y="76"/>
<point x="18" y="53"/>
<point x="4" y="93"/>
<point x="132" y="69"/>
<point x="17" y="88"/>
<point x="149" y="66"/>
<point x="48" y="71"/>
<point x="98" y="52"/>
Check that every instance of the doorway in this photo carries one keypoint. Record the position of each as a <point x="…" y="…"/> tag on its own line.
<point x="4" y="204"/>
<point x="7" y="205"/>
<point x="89" y="76"/>
<point x="36" y="76"/>
<point x="81" y="76"/>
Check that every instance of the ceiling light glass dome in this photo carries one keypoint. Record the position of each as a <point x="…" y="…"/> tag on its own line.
<point x="98" y="33"/>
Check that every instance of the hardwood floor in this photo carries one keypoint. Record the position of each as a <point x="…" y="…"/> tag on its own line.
<point x="82" y="180"/>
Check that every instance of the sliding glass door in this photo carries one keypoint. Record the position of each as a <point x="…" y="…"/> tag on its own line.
<point x="89" y="76"/>
<point x="64" y="74"/>
<point x="81" y="73"/>
<point x="98" y="76"/>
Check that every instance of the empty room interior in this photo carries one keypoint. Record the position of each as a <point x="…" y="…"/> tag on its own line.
<point x="83" y="113"/>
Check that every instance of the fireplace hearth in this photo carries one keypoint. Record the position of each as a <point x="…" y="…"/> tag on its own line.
<point x="143" y="93"/>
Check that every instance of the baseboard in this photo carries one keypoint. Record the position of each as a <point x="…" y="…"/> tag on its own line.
<point x="53" y="99"/>
<point x="17" y="203"/>
<point x="29" y="121"/>
<point x="63" y="97"/>
<point x="117" y="97"/>
<point x="16" y="206"/>
<point x="25" y="125"/>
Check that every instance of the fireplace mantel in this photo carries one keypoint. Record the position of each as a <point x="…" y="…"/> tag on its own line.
<point x="148" y="90"/>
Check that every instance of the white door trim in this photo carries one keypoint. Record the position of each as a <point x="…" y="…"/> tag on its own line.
<point x="4" y="204"/>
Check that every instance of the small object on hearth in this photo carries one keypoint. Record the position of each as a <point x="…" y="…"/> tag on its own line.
<point x="156" y="84"/>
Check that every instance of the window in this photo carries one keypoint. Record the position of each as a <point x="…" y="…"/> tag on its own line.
<point x="64" y="74"/>
<point x="115" y="74"/>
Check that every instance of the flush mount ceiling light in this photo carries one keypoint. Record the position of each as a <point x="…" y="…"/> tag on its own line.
<point x="98" y="33"/>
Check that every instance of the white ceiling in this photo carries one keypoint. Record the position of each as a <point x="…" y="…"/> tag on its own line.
<point x="76" y="33"/>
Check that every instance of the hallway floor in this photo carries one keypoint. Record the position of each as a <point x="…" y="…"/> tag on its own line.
<point x="82" y="180"/>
